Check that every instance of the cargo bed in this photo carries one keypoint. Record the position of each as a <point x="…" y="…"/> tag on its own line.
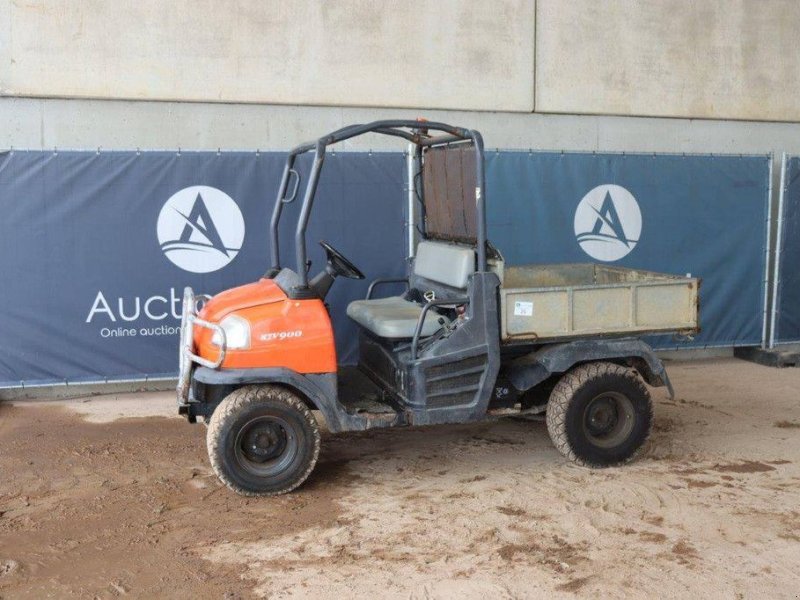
<point x="549" y="302"/>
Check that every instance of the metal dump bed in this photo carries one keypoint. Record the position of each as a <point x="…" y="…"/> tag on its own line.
<point x="549" y="302"/>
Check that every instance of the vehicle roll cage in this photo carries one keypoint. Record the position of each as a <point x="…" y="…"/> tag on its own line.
<point x="415" y="132"/>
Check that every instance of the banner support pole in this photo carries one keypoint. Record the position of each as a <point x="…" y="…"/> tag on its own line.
<point x="765" y="282"/>
<point x="778" y="250"/>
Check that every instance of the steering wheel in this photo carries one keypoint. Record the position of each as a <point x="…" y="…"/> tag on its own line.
<point x="339" y="264"/>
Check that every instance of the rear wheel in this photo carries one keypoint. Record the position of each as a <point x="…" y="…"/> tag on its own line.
<point x="599" y="414"/>
<point x="263" y="441"/>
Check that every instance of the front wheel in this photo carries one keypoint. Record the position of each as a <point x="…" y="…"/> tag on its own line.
<point x="599" y="414"/>
<point x="262" y="441"/>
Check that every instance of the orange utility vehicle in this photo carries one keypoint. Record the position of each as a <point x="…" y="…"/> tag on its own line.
<point x="471" y="338"/>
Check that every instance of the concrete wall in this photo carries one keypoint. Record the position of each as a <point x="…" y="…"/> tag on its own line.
<point x="718" y="59"/>
<point x="724" y="59"/>
<point x="442" y="54"/>
<point x="89" y="124"/>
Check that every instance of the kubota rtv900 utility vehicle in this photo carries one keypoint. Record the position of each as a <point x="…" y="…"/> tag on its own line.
<point x="471" y="338"/>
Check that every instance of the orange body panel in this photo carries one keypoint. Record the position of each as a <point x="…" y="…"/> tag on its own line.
<point x="295" y="334"/>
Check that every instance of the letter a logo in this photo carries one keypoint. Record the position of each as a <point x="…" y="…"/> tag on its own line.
<point x="200" y="229"/>
<point x="608" y="223"/>
<point x="200" y="222"/>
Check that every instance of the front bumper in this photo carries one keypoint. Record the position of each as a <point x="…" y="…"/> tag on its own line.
<point x="187" y="359"/>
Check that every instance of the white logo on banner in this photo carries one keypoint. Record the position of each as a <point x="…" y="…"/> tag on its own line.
<point x="200" y="229"/>
<point x="608" y="223"/>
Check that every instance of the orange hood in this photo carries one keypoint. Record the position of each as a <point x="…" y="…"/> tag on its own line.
<point x="263" y="291"/>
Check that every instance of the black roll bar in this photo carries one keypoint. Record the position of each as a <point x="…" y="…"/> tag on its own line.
<point x="305" y="213"/>
<point x="415" y="132"/>
<point x="276" y="211"/>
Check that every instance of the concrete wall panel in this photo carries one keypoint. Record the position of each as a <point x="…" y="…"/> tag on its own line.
<point x="87" y="124"/>
<point x="471" y="55"/>
<point x="720" y="59"/>
<point x="5" y="44"/>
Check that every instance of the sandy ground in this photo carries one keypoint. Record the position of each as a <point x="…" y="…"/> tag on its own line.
<point x="96" y="507"/>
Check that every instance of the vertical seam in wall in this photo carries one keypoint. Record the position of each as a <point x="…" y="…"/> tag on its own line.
<point x="535" y="45"/>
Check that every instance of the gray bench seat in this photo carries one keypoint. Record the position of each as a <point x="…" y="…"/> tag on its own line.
<point x="393" y="318"/>
<point x="396" y="318"/>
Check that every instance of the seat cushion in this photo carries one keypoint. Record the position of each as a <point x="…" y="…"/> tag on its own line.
<point x="393" y="318"/>
<point x="449" y="264"/>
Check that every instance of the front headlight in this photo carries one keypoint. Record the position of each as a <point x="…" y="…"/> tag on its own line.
<point x="237" y="333"/>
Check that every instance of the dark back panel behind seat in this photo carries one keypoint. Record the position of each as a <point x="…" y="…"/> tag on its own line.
<point x="448" y="180"/>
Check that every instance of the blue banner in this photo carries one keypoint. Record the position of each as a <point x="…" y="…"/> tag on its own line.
<point x="96" y="249"/>
<point x="786" y="298"/>
<point x="678" y="214"/>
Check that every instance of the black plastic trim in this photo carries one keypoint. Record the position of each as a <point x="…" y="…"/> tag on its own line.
<point x="532" y="369"/>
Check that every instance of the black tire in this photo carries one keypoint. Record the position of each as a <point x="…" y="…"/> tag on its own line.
<point x="263" y="441"/>
<point x="599" y="414"/>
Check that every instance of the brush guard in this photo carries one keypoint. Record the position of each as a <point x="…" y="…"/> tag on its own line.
<point x="186" y="356"/>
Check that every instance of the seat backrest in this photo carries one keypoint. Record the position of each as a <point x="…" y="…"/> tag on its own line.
<point x="443" y="263"/>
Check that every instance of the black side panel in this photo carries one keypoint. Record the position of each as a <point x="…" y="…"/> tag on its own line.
<point x="454" y="383"/>
<point x="377" y="359"/>
<point x="453" y="378"/>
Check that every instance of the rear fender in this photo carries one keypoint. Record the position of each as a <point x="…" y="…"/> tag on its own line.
<point x="532" y="369"/>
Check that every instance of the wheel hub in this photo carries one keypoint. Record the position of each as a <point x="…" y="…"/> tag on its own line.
<point x="263" y="441"/>
<point x="608" y="419"/>
<point x="603" y="416"/>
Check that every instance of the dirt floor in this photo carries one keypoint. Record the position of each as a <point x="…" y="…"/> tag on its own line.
<point x="96" y="506"/>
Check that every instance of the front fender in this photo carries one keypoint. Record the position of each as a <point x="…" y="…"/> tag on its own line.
<point x="530" y="370"/>
<point x="319" y="389"/>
